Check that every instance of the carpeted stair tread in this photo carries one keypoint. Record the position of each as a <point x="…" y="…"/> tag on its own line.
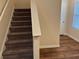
<point x="23" y="36"/>
<point x="16" y="45"/>
<point x="17" y="18"/>
<point x="22" y="14"/>
<point x="19" y="56"/>
<point x="18" y="41"/>
<point x="20" y="23"/>
<point x="22" y="10"/>
<point x="20" y="33"/>
<point x="21" y="28"/>
<point x="15" y="51"/>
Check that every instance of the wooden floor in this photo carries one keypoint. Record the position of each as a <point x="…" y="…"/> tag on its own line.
<point x="69" y="50"/>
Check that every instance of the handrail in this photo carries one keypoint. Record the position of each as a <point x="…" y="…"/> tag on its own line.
<point x="3" y="7"/>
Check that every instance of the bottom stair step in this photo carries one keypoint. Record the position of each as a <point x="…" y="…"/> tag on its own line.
<point x="16" y="51"/>
<point x="19" y="56"/>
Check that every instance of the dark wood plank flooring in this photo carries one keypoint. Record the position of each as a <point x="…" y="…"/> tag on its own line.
<point x="69" y="49"/>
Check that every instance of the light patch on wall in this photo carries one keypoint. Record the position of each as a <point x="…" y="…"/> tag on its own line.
<point x="76" y="22"/>
<point x="76" y="15"/>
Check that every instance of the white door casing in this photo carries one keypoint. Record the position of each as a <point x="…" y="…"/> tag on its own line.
<point x="64" y="5"/>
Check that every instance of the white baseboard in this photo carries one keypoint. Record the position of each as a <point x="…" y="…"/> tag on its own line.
<point x="49" y="46"/>
<point x="54" y="46"/>
<point x="3" y="45"/>
<point x="74" y="38"/>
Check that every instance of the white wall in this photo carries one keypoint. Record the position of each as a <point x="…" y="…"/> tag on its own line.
<point x="63" y="22"/>
<point x="49" y="15"/>
<point x="70" y="30"/>
<point x="22" y="4"/>
<point x="5" y="19"/>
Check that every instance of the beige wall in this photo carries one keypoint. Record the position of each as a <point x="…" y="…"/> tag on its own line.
<point x="4" y="23"/>
<point x="22" y="4"/>
<point x="49" y="15"/>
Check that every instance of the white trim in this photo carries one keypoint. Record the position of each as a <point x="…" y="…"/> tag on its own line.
<point x="74" y="38"/>
<point x="49" y="46"/>
<point x="36" y="45"/>
<point x="3" y="45"/>
<point x="63" y="34"/>
<point x="36" y="30"/>
<point x="4" y="10"/>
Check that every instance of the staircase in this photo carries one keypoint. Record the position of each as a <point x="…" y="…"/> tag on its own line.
<point x="19" y="44"/>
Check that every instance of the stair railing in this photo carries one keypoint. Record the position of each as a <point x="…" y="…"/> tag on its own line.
<point x="4" y="4"/>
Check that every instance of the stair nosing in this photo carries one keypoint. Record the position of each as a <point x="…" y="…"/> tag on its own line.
<point x="21" y="16"/>
<point x="21" y="21"/>
<point x="24" y="50"/>
<point x="21" y="26"/>
<point x="18" y="33"/>
<point x="19" y="54"/>
<point x="18" y="41"/>
<point x="22" y="12"/>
